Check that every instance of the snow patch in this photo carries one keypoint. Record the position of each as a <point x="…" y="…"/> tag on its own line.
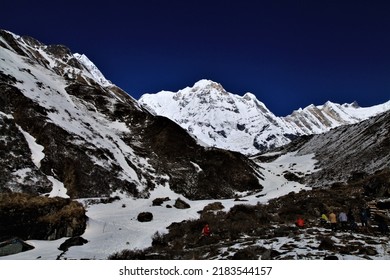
<point x="8" y="116"/>
<point x="58" y="188"/>
<point x="91" y="67"/>
<point x="197" y="167"/>
<point x="275" y="184"/>
<point x="36" y="150"/>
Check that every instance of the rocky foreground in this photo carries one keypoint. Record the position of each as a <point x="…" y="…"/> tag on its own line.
<point x="268" y="231"/>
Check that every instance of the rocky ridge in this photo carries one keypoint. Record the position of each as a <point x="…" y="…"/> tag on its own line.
<point x="243" y="123"/>
<point x="94" y="138"/>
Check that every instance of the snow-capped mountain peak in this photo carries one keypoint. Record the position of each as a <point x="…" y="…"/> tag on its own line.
<point x="243" y="123"/>
<point x="91" y="67"/>
<point x="207" y="84"/>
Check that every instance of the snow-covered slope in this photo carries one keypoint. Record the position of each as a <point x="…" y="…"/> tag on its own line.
<point x="63" y="121"/>
<point x="243" y="123"/>
<point x="49" y="90"/>
<point x="318" y="119"/>
<point x="92" y="69"/>
<point x="114" y="226"/>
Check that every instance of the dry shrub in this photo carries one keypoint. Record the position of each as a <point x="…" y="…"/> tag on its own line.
<point x="213" y="207"/>
<point x="248" y="253"/>
<point x="129" y="255"/>
<point x="22" y="200"/>
<point x="66" y="213"/>
<point x="40" y="217"/>
<point x="159" y="240"/>
<point x="246" y="219"/>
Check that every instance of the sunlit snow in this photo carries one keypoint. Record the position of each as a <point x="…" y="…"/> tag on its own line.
<point x="36" y="150"/>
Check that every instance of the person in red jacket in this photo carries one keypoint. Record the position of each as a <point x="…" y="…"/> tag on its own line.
<point x="300" y="222"/>
<point x="206" y="230"/>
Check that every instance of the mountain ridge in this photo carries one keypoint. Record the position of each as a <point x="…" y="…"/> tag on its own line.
<point x="243" y="123"/>
<point x="96" y="138"/>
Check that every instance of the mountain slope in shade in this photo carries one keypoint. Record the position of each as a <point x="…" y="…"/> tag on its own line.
<point x="348" y="153"/>
<point x="65" y="129"/>
<point x="242" y="123"/>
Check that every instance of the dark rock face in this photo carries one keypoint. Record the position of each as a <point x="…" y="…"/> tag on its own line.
<point x="31" y="217"/>
<point x="194" y="171"/>
<point x="17" y="171"/>
<point x="379" y="185"/>
<point x="347" y="151"/>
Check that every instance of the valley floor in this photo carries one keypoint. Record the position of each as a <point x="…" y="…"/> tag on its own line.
<point x="113" y="227"/>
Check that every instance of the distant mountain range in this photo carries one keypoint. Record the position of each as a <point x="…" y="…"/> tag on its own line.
<point x="242" y="123"/>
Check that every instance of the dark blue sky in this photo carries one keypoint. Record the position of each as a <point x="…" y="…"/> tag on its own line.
<point x="289" y="53"/>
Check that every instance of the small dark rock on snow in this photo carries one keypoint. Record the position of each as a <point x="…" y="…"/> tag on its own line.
<point x="145" y="217"/>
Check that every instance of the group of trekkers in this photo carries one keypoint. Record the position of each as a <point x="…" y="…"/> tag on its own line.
<point x="346" y="221"/>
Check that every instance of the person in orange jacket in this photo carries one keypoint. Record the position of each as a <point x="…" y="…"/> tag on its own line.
<point x="333" y="221"/>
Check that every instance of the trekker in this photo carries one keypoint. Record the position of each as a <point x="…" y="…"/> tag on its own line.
<point x="324" y="219"/>
<point x="363" y="213"/>
<point x="351" y="220"/>
<point x="206" y="230"/>
<point x="343" y="219"/>
<point x="300" y="222"/>
<point x="333" y="221"/>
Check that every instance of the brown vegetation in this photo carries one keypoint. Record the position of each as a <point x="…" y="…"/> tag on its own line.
<point x="40" y="217"/>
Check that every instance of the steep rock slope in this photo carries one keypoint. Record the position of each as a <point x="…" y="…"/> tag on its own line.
<point x="68" y="131"/>
<point x="345" y="154"/>
<point x="351" y="152"/>
<point x="243" y="123"/>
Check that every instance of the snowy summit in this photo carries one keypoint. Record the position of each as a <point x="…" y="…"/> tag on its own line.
<point x="243" y="123"/>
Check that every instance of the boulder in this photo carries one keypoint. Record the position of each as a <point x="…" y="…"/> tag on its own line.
<point x="13" y="246"/>
<point x="73" y="241"/>
<point x="181" y="204"/>
<point x="145" y="217"/>
<point x="326" y="244"/>
<point x="160" y="200"/>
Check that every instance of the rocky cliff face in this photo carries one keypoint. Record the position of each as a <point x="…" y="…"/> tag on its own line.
<point x="66" y="129"/>
<point x="351" y="153"/>
<point x="243" y="123"/>
<point x="346" y="154"/>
